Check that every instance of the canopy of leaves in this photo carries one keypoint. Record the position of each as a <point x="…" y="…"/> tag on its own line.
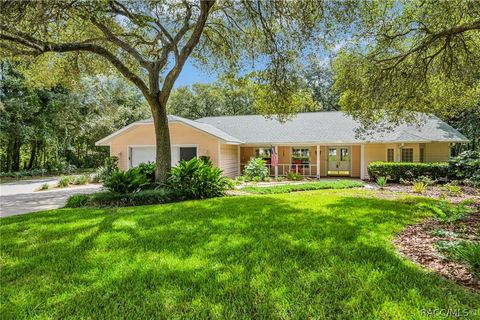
<point x="41" y="126"/>
<point x="411" y="56"/>
<point x="144" y="39"/>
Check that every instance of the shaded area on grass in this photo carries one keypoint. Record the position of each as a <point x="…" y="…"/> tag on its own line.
<point x="304" y="255"/>
<point x="340" y="184"/>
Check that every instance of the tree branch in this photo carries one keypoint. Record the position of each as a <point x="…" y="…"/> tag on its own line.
<point x="187" y="49"/>
<point x="42" y="47"/>
<point x="122" y="44"/>
<point x="434" y="37"/>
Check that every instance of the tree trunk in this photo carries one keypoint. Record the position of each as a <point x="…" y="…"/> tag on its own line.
<point x="162" y="138"/>
<point x="33" y="155"/>
<point x="16" y="155"/>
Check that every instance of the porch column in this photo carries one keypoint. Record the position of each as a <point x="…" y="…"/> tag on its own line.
<point x="276" y="166"/>
<point x="318" y="161"/>
<point x="362" y="161"/>
<point x="239" y="159"/>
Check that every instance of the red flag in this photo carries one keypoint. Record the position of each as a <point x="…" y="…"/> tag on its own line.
<point x="274" y="158"/>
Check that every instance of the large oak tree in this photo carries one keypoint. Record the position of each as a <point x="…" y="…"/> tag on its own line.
<point x="149" y="42"/>
<point x="408" y="57"/>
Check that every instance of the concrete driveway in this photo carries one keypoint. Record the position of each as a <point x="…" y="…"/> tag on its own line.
<point x="20" y="197"/>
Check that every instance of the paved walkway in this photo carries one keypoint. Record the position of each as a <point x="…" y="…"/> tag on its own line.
<point x="20" y="197"/>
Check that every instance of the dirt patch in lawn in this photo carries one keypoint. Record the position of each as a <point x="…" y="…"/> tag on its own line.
<point x="417" y="243"/>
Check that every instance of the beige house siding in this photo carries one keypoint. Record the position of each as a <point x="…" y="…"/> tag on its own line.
<point x="229" y="160"/>
<point x="355" y="161"/>
<point x="437" y="152"/>
<point x="373" y="152"/>
<point x="144" y="135"/>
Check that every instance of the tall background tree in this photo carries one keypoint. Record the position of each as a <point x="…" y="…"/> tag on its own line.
<point x="53" y="127"/>
<point x="149" y="42"/>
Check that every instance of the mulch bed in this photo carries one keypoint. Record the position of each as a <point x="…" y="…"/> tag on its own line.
<point x="434" y="192"/>
<point x="417" y="243"/>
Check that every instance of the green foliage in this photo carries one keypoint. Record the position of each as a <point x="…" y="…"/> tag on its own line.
<point x="81" y="179"/>
<point x="77" y="200"/>
<point x="448" y="212"/>
<point x="26" y="173"/>
<point x="226" y="96"/>
<point x="64" y="181"/>
<point x="402" y="68"/>
<point x="320" y="79"/>
<point x="197" y="179"/>
<point x="382" y="182"/>
<point x="44" y="186"/>
<point x="418" y="186"/>
<point x="293" y="176"/>
<point x="109" y="167"/>
<point x="340" y="184"/>
<point x="113" y="199"/>
<point x="463" y="251"/>
<point x="255" y="169"/>
<point x="466" y="167"/>
<point x="395" y="171"/>
<point x="148" y="169"/>
<point x="280" y="178"/>
<point x="128" y="181"/>
<point x="453" y="189"/>
<point x="55" y="127"/>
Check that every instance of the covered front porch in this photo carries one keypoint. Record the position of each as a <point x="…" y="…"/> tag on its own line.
<point x="307" y="160"/>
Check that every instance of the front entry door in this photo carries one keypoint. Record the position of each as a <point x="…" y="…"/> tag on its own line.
<point x="339" y="161"/>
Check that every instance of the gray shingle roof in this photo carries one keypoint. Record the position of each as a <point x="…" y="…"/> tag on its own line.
<point x="305" y="128"/>
<point x="326" y="127"/>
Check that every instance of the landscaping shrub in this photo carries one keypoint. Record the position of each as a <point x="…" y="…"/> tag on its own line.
<point x="448" y="212"/>
<point x="418" y="186"/>
<point x="44" y="186"/>
<point x="395" y="171"/>
<point x="128" y="181"/>
<point x="110" y="166"/>
<point x="82" y="179"/>
<point x="256" y="169"/>
<point x="462" y="251"/>
<point x="381" y="182"/>
<point x="148" y="169"/>
<point x="64" y="181"/>
<point x="77" y="200"/>
<point x="453" y="189"/>
<point x="197" y="179"/>
<point x="113" y="199"/>
<point x="294" y="176"/>
<point x="341" y="184"/>
<point x="466" y="167"/>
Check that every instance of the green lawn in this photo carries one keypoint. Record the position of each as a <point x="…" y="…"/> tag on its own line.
<point x="319" y="185"/>
<point x="313" y="254"/>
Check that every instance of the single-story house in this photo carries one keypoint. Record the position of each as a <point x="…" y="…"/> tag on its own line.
<point x="312" y="144"/>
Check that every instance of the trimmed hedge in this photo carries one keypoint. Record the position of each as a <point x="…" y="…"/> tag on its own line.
<point x="395" y="171"/>
<point x="114" y="199"/>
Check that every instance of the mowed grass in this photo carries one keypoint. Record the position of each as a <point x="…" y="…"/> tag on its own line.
<point x="318" y="185"/>
<point x="314" y="254"/>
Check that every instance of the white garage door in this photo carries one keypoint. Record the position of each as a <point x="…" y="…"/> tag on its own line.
<point x="147" y="154"/>
<point x="141" y="155"/>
